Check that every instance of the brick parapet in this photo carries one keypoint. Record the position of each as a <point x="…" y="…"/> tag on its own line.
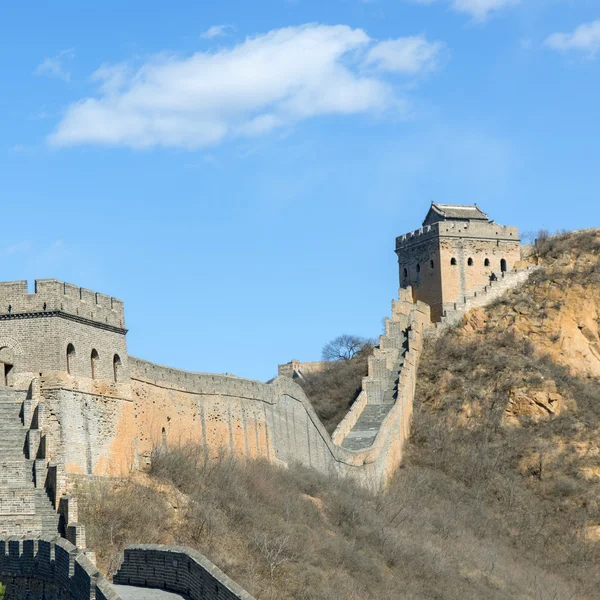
<point x="50" y="567"/>
<point x="349" y="421"/>
<point x="177" y="569"/>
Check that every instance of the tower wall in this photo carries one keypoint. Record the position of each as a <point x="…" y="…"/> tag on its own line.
<point x="434" y="260"/>
<point x="36" y="329"/>
<point x="421" y="269"/>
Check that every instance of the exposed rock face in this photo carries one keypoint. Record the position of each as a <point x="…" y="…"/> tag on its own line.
<point x="533" y="403"/>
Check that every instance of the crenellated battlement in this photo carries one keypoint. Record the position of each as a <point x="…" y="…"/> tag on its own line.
<point x="474" y="230"/>
<point x="417" y="235"/>
<point x="51" y="296"/>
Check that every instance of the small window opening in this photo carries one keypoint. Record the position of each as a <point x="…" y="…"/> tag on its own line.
<point x="405" y="272"/>
<point x="164" y="435"/>
<point x="94" y="360"/>
<point x="116" y="367"/>
<point x="470" y="262"/>
<point x="486" y="262"/>
<point x="418" y="268"/>
<point x="453" y="261"/>
<point x="7" y="374"/>
<point x="503" y="265"/>
<point x="70" y="357"/>
<point x="431" y="264"/>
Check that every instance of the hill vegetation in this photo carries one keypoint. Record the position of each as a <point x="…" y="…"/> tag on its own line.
<point x="333" y="390"/>
<point x="498" y="496"/>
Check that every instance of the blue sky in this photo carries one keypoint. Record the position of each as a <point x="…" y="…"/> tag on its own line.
<point x="237" y="172"/>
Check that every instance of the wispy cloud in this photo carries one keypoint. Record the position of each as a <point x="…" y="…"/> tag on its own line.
<point x="216" y="31"/>
<point x="55" y="66"/>
<point x="479" y="10"/>
<point x="411" y="55"/>
<point x="585" y="38"/>
<point x="266" y="82"/>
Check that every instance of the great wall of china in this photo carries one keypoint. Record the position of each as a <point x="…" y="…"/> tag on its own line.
<point x="76" y="405"/>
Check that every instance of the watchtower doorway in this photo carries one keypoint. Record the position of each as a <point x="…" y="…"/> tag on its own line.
<point x="7" y="362"/>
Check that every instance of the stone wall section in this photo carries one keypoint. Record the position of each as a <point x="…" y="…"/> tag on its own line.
<point x="54" y="569"/>
<point x="295" y="368"/>
<point x="50" y="568"/>
<point x="177" y="569"/>
<point x="276" y="421"/>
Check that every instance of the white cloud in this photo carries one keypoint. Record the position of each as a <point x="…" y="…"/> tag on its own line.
<point x="266" y="82"/>
<point x="480" y="10"/>
<point x="585" y="38"/>
<point x="55" y="66"/>
<point x="216" y="31"/>
<point x="409" y="55"/>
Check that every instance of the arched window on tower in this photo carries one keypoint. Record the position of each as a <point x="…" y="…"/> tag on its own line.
<point x="418" y="268"/>
<point x="470" y="262"/>
<point x="94" y="362"/>
<point x="405" y="273"/>
<point x="486" y="262"/>
<point x="431" y="264"/>
<point x="116" y="367"/>
<point x="70" y="358"/>
<point x="503" y="265"/>
<point x="453" y="262"/>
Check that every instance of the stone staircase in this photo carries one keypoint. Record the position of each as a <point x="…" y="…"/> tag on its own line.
<point x="25" y="510"/>
<point x="380" y="387"/>
<point x="483" y="296"/>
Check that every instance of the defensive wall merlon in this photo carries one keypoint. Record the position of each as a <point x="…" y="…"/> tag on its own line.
<point x="471" y="230"/>
<point x="53" y="296"/>
<point x="53" y="567"/>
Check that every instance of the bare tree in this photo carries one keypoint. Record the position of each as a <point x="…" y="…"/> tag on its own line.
<point x="275" y="550"/>
<point x="344" y="347"/>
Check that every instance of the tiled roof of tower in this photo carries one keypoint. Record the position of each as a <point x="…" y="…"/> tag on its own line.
<point x="440" y="212"/>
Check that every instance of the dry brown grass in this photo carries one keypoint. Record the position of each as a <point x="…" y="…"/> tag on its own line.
<point x="288" y="534"/>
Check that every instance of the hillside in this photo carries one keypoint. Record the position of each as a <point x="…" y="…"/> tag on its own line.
<point x="499" y="492"/>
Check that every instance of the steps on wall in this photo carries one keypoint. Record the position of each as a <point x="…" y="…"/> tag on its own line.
<point x="483" y="295"/>
<point x="24" y="509"/>
<point x="381" y="385"/>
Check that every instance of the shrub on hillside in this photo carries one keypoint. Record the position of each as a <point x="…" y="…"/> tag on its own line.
<point x="529" y="472"/>
<point x="293" y="533"/>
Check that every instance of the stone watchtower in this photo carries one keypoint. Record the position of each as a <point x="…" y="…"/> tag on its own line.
<point x="62" y="329"/>
<point x="454" y="253"/>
